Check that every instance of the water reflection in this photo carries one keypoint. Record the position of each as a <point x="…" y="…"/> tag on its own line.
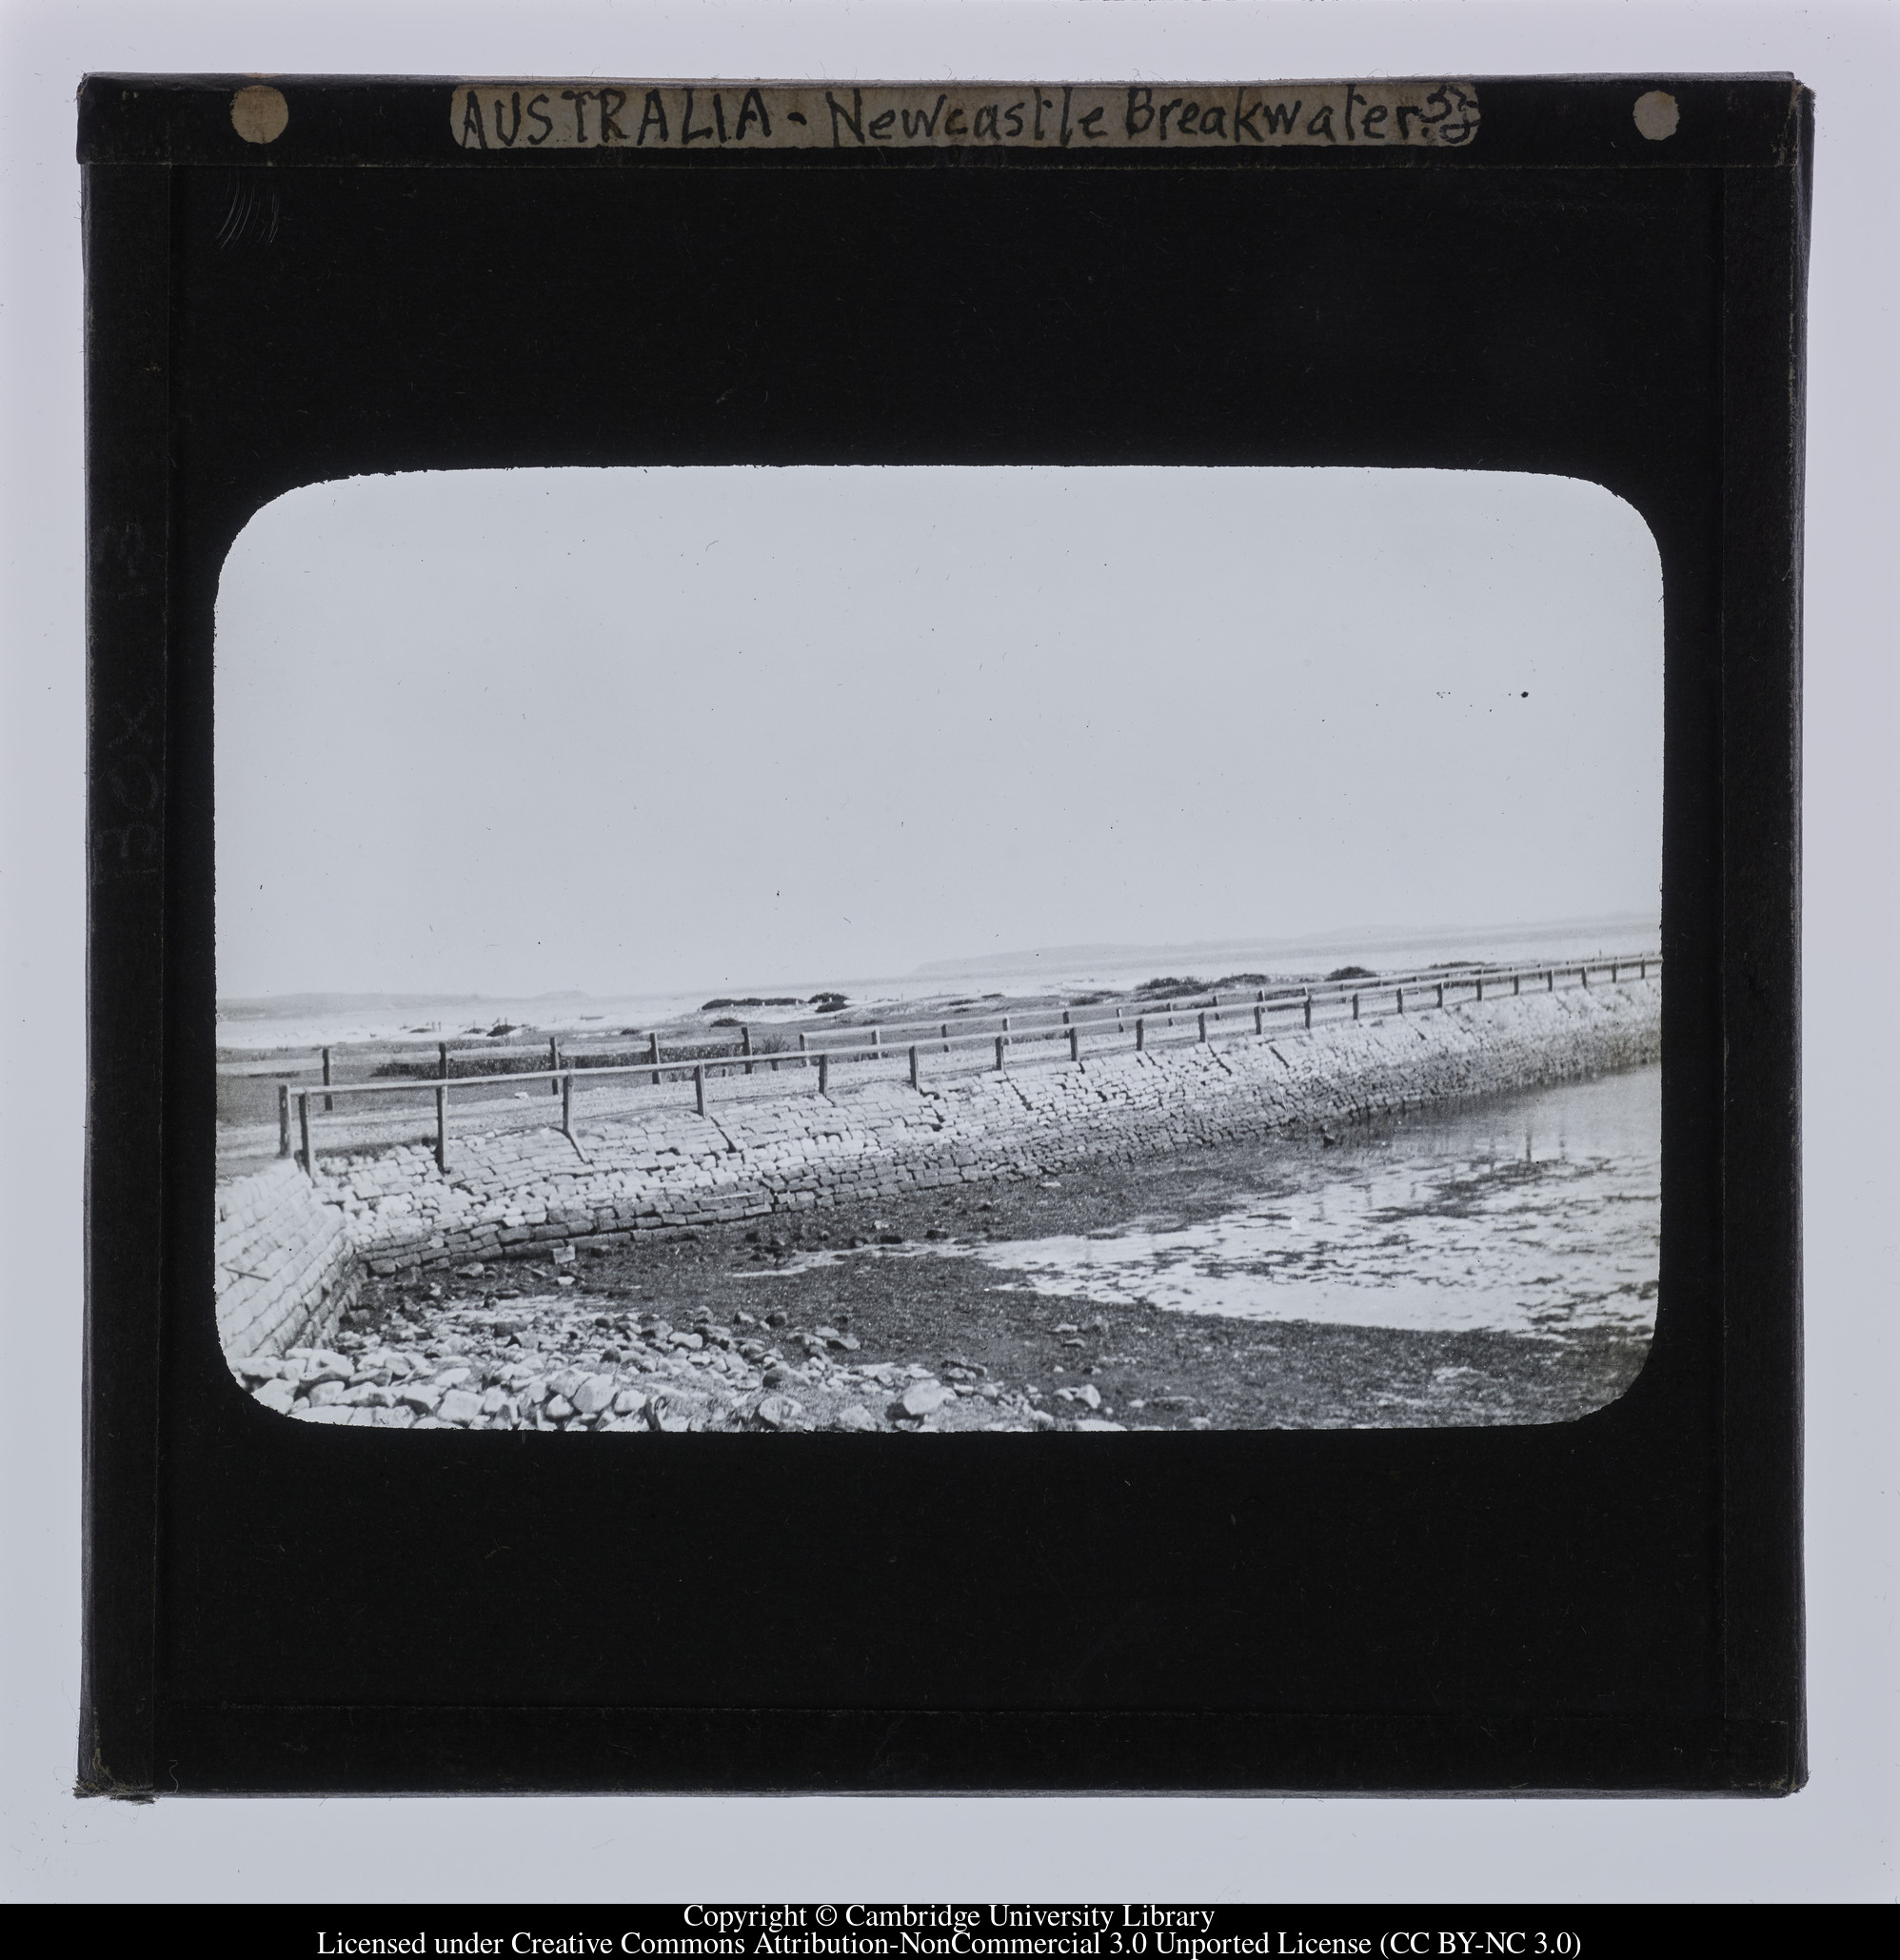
<point x="1532" y="1214"/>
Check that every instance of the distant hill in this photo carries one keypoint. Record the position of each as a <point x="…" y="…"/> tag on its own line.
<point x="1615" y="930"/>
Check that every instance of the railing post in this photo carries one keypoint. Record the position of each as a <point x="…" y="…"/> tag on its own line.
<point x="1140" y="1033"/>
<point x="1355" y="1007"/>
<point x="1000" y="1039"/>
<point x="1441" y="992"/>
<point x="1642" y="969"/>
<point x="328" y="1105"/>
<point x="1583" y="976"/>
<point x="913" y="1065"/>
<point x="1308" y="1004"/>
<point x="745" y="1045"/>
<point x="1400" y="992"/>
<point x="442" y="1059"/>
<point x="567" y="1104"/>
<point x="1481" y="986"/>
<point x="1516" y="982"/>
<point x="1549" y="979"/>
<point x="1613" y="973"/>
<point x="1074" y="1042"/>
<point x="283" y="1120"/>
<point x="700" y="1088"/>
<point x="946" y="1037"/>
<point x="823" y="1073"/>
<point x="803" y="1049"/>
<point x="303" y="1134"/>
<point x="1259" y="1018"/>
<point x="653" y="1053"/>
<point x="1201" y="1022"/>
<point x="442" y="1130"/>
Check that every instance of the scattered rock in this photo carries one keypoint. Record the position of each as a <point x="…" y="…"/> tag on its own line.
<point x="325" y="1393"/>
<point x="460" y="1405"/>
<point x="278" y="1394"/>
<point x="420" y="1396"/>
<point x="257" y="1367"/>
<point x="922" y="1398"/>
<point x="594" y="1395"/>
<point x="853" y="1418"/>
<point x="559" y="1408"/>
<point x="629" y="1402"/>
<point x="1099" y="1422"/>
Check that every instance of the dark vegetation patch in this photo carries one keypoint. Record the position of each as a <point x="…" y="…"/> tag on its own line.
<point x="1341" y="973"/>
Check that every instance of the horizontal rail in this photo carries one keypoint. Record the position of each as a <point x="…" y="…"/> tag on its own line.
<point x="1052" y="1020"/>
<point x="1141" y="1027"/>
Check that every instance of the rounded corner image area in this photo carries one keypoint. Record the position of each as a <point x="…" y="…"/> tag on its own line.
<point x="916" y="950"/>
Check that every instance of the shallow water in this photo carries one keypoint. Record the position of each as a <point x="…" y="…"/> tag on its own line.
<point x="1534" y="1214"/>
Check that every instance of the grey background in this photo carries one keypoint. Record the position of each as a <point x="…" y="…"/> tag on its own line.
<point x="1835" y="1841"/>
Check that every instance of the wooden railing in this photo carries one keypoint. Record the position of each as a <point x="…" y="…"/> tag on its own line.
<point x="1069" y="1033"/>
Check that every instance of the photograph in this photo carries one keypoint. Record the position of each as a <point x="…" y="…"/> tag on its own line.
<point x="931" y="950"/>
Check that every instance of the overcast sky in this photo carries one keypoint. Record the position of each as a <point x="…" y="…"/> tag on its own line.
<point x="625" y="730"/>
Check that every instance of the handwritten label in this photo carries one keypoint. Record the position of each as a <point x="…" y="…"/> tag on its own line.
<point x="700" y="118"/>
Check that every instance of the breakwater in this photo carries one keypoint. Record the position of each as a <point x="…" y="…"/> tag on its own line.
<point x="516" y="1193"/>
<point x="286" y="1263"/>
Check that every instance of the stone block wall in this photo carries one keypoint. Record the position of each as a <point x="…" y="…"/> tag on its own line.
<point x="508" y="1192"/>
<point x="287" y="1269"/>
